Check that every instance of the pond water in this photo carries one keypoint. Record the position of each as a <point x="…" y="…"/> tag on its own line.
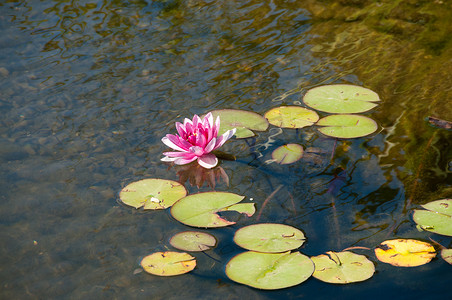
<point x="89" y="88"/>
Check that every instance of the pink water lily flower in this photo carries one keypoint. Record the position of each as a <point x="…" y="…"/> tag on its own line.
<point x="196" y="140"/>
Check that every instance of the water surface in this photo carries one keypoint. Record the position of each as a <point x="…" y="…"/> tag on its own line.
<point x="88" y="88"/>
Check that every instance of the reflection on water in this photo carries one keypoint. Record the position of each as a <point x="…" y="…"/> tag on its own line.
<point x="88" y="88"/>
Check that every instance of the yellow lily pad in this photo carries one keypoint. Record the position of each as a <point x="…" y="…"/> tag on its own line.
<point x="405" y="252"/>
<point x="168" y="263"/>
<point x="291" y="117"/>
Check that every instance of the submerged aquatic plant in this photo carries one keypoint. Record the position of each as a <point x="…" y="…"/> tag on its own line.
<point x="196" y="140"/>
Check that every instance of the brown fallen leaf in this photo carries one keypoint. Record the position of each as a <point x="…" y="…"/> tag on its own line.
<point x="440" y="123"/>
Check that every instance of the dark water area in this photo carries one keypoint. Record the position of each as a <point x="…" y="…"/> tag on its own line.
<point x="89" y="88"/>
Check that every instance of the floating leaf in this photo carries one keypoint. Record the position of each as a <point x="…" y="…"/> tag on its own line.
<point x="269" y="237"/>
<point x="168" y="263"/>
<point x="342" y="267"/>
<point x="193" y="241"/>
<point x="287" y="154"/>
<point x="446" y="254"/>
<point x="341" y="98"/>
<point x="269" y="271"/>
<point x="152" y="193"/>
<point x="244" y="121"/>
<point x="347" y="126"/>
<point x="436" y="218"/>
<point x="291" y="116"/>
<point x="405" y="252"/>
<point x="200" y="210"/>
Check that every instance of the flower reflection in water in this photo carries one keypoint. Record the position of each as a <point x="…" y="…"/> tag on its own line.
<point x="197" y="175"/>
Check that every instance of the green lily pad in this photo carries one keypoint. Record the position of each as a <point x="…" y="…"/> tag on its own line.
<point x="168" y="263"/>
<point x="193" y="241"/>
<point x="446" y="254"/>
<point x="200" y="210"/>
<point x="269" y="271"/>
<point x="287" y="154"/>
<point x="342" y="267"/>
<point x="244" y="121"/>
<point x="436" y="218"/>
<point x="291" y="116"/>
<point x="269" y="237"/>
<point x="341" y="98"/>
<point x="347" y="126"/>
<point x="152" y="193"/>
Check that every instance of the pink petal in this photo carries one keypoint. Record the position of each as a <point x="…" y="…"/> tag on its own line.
<point x="187" y="121"/>
<point x="208" y="120"/>
<point x="168" y="159"/>
<point x="179" y="141"/>
<point x="179" y="154"/>
<point x="188" y="127"/>
<point x="208" y="161"/>
<point x="167" y="140"/>
<point x="201" y="140"/>
<point x="210" y="146"/>
<point x="196" y="150"/>
<point x="222" y="139"/>
<point x="184" y="144"/>
<point x="216" y="128"/>
<point x="184" y="161"/>
<point x="181" y="130"/>
<point x="196" y="121"/>
<point x="209" y="127"/>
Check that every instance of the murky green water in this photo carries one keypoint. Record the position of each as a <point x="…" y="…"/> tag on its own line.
<point x="88" y="88"/>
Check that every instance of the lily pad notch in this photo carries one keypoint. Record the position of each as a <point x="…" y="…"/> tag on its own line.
<point x="201" y="210"/>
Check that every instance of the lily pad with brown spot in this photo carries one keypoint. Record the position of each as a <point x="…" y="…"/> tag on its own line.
<point x="193" y="241"/>
<point x="291" y="117"/>
<point x="342" y="267"/>
<point x="287" y="154"/>
<point x="405" y="252"/>
<point x="437" y="217"/>
<point x="269" y="237"/>
<point x="152" y="193"/>
<point x="168" y="263"/>
<point x="347" y="126"/>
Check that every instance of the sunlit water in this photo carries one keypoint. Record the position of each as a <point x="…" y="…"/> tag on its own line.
<point x="88" y="89"/>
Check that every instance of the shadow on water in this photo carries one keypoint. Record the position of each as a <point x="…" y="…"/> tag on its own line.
<point x="88" y="88"/>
